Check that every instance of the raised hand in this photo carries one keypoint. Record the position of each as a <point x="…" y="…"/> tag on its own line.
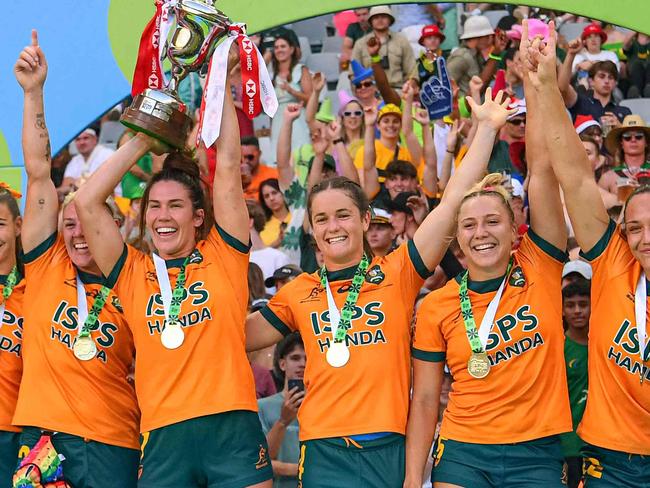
<point x="320" y="142"/>
<point x="452" y="135"/>
<point x="575" y="46"/>
<point x="436" y="93"/>
<point x="374" y="44"/>
<point x="318" y="81"/>
<point x="334" y="130"/>
<point x="292" y="111"/>
<point x="492" y="113"/>
<point x="370" y="116"/>
<point x="421" y="115"/>
<point x="31" y="66"/>
<point x="408" y="93"/>
<point x="541" y="58"/>
<point x="419" y="206"/>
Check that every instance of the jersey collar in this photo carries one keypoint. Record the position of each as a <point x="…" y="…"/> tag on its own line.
<point x="486" y="286"/>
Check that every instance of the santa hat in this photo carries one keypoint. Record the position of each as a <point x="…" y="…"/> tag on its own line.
<point x="583" y="122"/>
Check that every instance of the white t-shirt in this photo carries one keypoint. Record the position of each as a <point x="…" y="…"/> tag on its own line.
<point x="585" y="55"/>
<point x="80" y="168"/>
<point x="269" y="259"/>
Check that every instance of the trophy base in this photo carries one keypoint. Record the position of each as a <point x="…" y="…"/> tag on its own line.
<point x="159" y="115"/>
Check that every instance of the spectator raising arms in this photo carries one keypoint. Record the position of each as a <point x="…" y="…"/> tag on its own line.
<point x="368" y="421"/>
<point x="617" y="415"/>
<point x="200" y="408"/>
<point x="490" y="375"/>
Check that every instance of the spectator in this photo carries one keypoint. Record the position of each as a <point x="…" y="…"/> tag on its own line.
<point x="402" y="217"/>
<point x="598" y="101"/>
<point x="596" y="159"/>
<point x="395" y="53"/>
<point x="380" y="233"/>
<point x="292" y="83"/>
<point x="575" y="312"/>
<point x="351" y="114"/>
<point x="276" y="211"/>
<point x="253" y="170"/>
<point x="586" y="126"/>
<point x="467" y="61"/>
<point x="637" y="49"/>
<point x="282" y="276"/>
<point x="514" y="73"/>
<point x="515" y="128"/>
<point x="256" y="289"/>
<point x="575" y="271"/>
<point x="387" y="148"/>
<point x="430" y="38"/>
<point x="629" y="146"/>
<point x="354" y="32"/>
<point x="364" y="87"/>
<point x="413" y="14"/>
<point x="401" y="176"/>
<point x="91" y="156"/>
<point x="593" y="37"/>
<point x="278" y="414"/>
<point x="135" y="180"/>
<point x="267" y="258"/>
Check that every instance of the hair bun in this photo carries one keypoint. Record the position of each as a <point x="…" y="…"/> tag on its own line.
<point x="179" y="161"/>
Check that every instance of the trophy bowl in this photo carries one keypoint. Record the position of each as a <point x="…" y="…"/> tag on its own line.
<point x="160" y="113"/>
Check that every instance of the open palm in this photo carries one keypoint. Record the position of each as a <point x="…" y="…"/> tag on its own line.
<point x="493" y="113"/>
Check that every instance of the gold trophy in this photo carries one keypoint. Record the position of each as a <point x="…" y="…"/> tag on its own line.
<point x="161" y="114"/>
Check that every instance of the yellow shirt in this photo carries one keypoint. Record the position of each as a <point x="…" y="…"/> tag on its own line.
<point x="383" y="156"/>
<point x="271" y="230"/>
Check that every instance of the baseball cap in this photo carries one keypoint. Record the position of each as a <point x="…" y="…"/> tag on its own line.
<point x="520" y="106"/>
<point x="389" y="108"/>
<point x="577" y="266"/>
<point x="288" y="271"/>
<point x="398" y="204"/>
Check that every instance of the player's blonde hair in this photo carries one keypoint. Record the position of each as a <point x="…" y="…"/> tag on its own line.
<point x="491" y="184"/>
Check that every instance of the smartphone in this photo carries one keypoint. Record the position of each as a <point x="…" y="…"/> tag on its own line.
<point x="296" y="383"/>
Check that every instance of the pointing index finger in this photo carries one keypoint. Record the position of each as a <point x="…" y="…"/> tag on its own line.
<point x="442" y="72"/>
<point x="34" y="37"/>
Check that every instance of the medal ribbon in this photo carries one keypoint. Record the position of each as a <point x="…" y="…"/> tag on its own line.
<point x="640" y="311"/>
<point x="12" y="279"/>
<point x="87" y="320"/>
<point x="340" y="322"/>
<point x="478" y="339"/>
<point x="148" y="69"/>
<point x="171" y="299"/>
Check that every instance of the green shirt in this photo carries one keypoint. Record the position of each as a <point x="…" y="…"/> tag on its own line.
<point x="269" y="412"/>
<point x="132" y="186"/>
<point x="575" y="357"/>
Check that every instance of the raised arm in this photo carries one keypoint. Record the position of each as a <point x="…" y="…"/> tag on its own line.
<point x="430" y="175"/>
<point x="318" y="83"/>
<point x="412" y="143"/>
<point x="569" y="94"/>
<point x="230" y="211"/>
<point x="320" y="144"/>
<point x="386" y="91"/>
<point x="103" y="236"/>
<point x="568" y="157"/>
<point x="285" y="168"/>
<point x="370" y="173"/>
<point x="434" y="235"/>
<point x="452" y="138"/>
<point x="546" y="210"/>
<point x="41" y="201"/>
<point x="335" y="134"/>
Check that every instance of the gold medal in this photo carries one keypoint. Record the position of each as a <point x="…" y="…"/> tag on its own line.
<point x="338" y="354"/>
<point x="172" y="335"/>
<point x="84" y="348"/>
<point x="478" y="365"/>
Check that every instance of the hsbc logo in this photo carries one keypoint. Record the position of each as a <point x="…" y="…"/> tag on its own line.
<point x="247" y="45"/>
<point x="155" y="39"/>
<point x="251" y="88"/>
<point x="153" y="80"/>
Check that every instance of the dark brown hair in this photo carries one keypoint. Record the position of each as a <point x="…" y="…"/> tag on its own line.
<point x="606" y="66"/>
<point x="295" y="57"/>
<point x="256" y="288"/>
<point x="256" y="213"/>
<point x="352" y="190"/>
<point x="273" y="183"/>
<point x="184" y="170"/>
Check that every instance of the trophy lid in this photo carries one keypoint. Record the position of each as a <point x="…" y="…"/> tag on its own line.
<point x="205" y="9"/>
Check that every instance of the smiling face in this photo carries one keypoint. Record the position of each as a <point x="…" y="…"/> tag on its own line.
<point x="338" y="227"/>
<point x="576" y="311"/>
<point x="486" y="233"/>
<point x="282" y="50"/>
<point x="637" y="228"/>
<point x="9" y="230"/>
<point x="389" y="126"/>
<point x="396" y="184"/>
<point x="75" y="241"/>
<point x="352" y="116"/>
<point x="171" y="219"/>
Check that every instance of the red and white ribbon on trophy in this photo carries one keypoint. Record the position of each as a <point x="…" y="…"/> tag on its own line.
<point x="258" y="91"/>
<point x="148" y="69"/>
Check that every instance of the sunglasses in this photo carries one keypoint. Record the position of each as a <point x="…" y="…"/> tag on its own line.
<point x="248" y="157"/>
<point x="636" y="136"/>
<point x="364" y="84"/>
<point x="517" y="121"/>
<point x="356" y="113"/>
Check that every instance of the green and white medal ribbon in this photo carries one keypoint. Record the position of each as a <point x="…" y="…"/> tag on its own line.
<point x="12" y="279"/>
<point x="84" y="347"/>
<point x="338" y="354"/>
<point x="640" y="311"/>
<point x="478" y="365"/>
<point x="172" y="336"/>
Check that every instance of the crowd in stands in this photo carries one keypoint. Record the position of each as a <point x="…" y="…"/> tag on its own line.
<point x="370" y="126"/>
